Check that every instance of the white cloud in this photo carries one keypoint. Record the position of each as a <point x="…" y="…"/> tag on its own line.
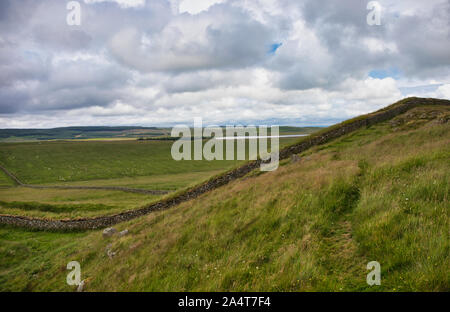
<point x="164" y="62"/>
<point x="444" y="91"/>
<point x="196" y="6"/>
<point x="122" y="3"/>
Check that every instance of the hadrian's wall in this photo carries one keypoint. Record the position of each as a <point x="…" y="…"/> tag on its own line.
<point x="321" y="138"/>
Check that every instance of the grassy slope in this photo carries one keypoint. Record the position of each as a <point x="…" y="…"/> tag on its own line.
<point x="377" y="194"/>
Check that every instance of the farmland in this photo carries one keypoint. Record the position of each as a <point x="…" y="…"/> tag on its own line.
<point x="133" y="163"/>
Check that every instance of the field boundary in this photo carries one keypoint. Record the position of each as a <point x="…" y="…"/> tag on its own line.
<point x="318" y="138"/>
<point x="73" y="187"/>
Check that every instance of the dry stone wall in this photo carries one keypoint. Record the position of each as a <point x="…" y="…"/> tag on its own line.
<point x="321" y="138"/>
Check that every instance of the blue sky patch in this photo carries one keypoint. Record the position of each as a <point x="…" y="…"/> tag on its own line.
<point x="420" y="90"/>
<point x="274" y="47"/>
<point x="385" y="73"/>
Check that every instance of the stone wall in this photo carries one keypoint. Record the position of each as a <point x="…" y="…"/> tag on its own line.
<point x="317" y="139"/>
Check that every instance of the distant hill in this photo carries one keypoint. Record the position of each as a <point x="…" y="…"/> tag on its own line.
<point x="69" y="133"/>
<point x="97" y="132"/>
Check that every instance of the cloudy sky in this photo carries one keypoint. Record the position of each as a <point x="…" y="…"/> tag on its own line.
<point x="163" y="62"/>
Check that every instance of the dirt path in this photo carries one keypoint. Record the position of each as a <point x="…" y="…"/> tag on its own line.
<point x="315" y="139"/>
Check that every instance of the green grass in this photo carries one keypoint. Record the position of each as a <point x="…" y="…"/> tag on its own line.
<point x="379" y="194"/>
<point x="68" y="161"/>
<point x="5" y="181"/>
<point x="60" y="161"/>
<point x="57" y="204"/>
<point x="134" y="164"/>
<point x="72" y="204"/>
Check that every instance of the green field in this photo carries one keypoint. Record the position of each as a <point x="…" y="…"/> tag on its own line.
<point x="66" y="161"/>
<point x="57" y="204"/>
<point x="377" y="194"/>
<point x="80" y="133"/>
<point x="125" y="163"/>
<point x="105" y="133"/>
<point x="134" y="164"/>
<point x="5" y="181"/>
<point x="61" y="161"/>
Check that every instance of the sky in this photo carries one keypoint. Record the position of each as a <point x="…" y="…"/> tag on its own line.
<point x="165" y="62"/>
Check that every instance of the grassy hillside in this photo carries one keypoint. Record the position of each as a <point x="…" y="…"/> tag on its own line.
<point x="377" y="194"/>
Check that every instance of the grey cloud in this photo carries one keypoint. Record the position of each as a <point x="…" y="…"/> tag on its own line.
<point x="15" y="68"/>
<point x="76" y="74"/>
<point x="416" y="45"/>
<point x="204" y="80"/>
<point x="424" y="40"/>
<point x="146" y="57"/>
<point x="78" y="84"/>
<point x="11" y="100"/>
<point x="230" y="39"/>
<point x="64" y="99"/>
